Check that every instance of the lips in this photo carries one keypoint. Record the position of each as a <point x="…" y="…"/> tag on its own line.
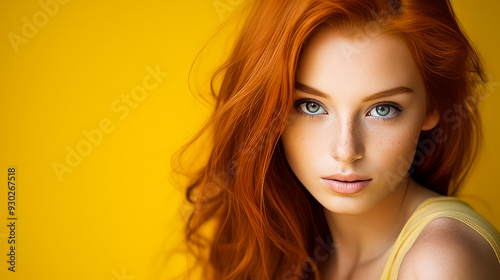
<point x="352" y="177"/>
<point x="346" y="183"/>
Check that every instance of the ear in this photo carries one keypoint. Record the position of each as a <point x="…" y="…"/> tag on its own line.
<point x="431" y="120"/>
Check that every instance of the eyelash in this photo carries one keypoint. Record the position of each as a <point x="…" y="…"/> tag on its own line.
<point x="299" y="102"/>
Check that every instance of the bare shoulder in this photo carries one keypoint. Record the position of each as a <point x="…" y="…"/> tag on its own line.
<point x="449" y="249"/>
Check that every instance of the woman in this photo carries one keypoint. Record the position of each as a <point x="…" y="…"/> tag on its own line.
<point x="336" y="145"/>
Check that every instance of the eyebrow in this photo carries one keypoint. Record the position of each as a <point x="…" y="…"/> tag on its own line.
<point x="378" y="95"/>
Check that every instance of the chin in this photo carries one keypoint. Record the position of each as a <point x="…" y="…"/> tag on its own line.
<point x="348" y="205"/>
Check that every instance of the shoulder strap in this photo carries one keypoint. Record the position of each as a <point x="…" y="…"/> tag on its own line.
<point x="430" y="209"/>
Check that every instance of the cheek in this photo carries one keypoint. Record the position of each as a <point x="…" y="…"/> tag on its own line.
<point x="394" y="150"/>
<point x="302" y="145"/>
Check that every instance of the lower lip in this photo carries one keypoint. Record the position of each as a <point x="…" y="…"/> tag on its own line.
<point x="346" y="187"/>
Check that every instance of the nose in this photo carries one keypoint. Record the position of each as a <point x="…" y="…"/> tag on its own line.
<point x="348" y="143"/>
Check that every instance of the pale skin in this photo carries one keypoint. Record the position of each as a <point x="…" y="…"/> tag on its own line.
<point x="336" y="127"/>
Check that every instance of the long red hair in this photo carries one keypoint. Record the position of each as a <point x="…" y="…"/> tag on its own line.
<point x="267" y="226"/>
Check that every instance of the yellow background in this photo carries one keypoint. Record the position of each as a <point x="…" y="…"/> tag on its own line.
<point x="115" y="215"/>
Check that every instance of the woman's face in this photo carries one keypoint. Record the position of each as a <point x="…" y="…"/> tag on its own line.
<point x="359" y="109"/>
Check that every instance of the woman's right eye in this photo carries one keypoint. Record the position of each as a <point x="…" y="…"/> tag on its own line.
<point x="310" y="107"/>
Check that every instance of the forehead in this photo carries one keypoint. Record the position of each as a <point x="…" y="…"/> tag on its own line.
<point x="357" y="65"/>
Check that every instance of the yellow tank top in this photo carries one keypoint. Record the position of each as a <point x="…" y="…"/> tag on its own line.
<point x="430" y="209"/>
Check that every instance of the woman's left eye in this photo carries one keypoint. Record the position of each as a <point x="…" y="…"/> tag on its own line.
<point x="384" y="111"/>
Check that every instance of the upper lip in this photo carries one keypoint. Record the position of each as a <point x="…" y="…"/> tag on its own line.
<point x="347" y="177"/>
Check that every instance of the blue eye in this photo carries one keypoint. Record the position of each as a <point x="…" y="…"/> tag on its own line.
<point x="310" y="107"/>
<point x="384" y="110"/>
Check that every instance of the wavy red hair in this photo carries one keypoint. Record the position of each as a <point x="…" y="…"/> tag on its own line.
<point x="267" y="225"/>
